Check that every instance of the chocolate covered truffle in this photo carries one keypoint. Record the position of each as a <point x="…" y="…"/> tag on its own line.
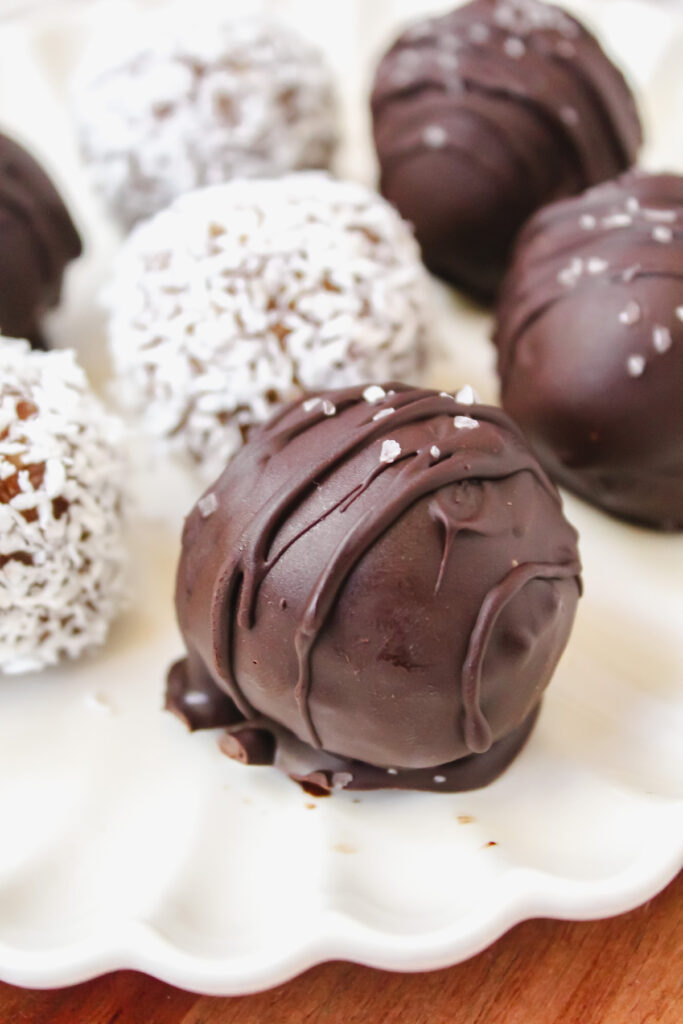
<point x="37" y="241"/>
<point x="196" y="103"/>
<point x="238" y="297"/>
<point x="61" y="487"/>
<point x="484" y="115"/>
<point x="376" y="592"/>
<point x="590" y="338"/>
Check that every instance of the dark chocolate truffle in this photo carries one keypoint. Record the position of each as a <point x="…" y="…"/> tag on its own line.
<point x="37" y="241"/>
<point x="376" y="592"/>
<point x="590" y="338"/>
<point x="484" y="115"/>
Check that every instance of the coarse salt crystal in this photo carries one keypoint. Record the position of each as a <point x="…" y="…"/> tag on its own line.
<point x="661" y="338"/>
<point x="383" y="412"/>
<point x="439" y="778"/>
<point x="207" y="505"/>
<point x="635" y="365"/>
<point x="662" y="234"/>
<point x="310" y="404"/>
<point x="434" y="136"/>
<point x="374" y="393"/>
<point x="596" y="265"/>
<point x="630" y="314"/>
<point x="390" y="451"/>
<point x="465" y="423"/>
<point x="514" y="47"/>
<point x="435" y="451"/>
<point x="329" y="408"/>
<point x="466" y="395"/>
<point x="392" y="771"/>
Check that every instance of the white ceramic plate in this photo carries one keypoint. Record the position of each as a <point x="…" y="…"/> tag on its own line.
<point x="127" y="842"/>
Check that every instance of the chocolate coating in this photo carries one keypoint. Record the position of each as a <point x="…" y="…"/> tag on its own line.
<point x="384" y="584"/>
<point x="484" y="115"/>
<point x="37" y="241"/>
<point x="590" y="338"/>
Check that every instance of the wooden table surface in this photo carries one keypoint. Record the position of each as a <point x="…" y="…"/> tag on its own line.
<point x="626" y="970"/>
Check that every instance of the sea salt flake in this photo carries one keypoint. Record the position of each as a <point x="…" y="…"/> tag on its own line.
<point x="635" y="365"/>
<point x="439" y="778"/>
<point x="660" y="216"/>
<point x="630" y="314"/>
<point x="392" y="771"/>
<point x="479" y="33"/>
<point x="617" y="220"/>
<point x="465" y="423"/>
<point x="195" y="698"/>
<point x="632" y="204"/>
<point x="383" y="412"/>
<point x="390" y="451"/>
<point x="661" y="338"/>
<point x="310" y="404"/>
<point x="374" y="393"/>
<point x="569" y="115"/>
<point x="207" y="505"/>
<point x="466" y="395"/>
<point x="587" y="221"/>
<point x="662" y="234"/>
<point x="679" y="313"/>
<point x="329" y="408"/>
<point x="434" y="136"/>
<point x="514" y="47"/>
<point x="596" y="265"/>
<point x="435" y="451"/>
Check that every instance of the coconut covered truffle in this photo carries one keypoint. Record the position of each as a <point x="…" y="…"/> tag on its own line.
<point x="200" y="104"/>
<point x="61" y="549"/>
<point x="487" y="113"/>
<point x="376" y="592"/>
<point x="590" y="339"/>
<point x="238" y="297"/>
<point x="37" y="242"/>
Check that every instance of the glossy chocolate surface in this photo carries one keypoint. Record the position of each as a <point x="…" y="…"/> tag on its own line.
<point x="484" y="115"/>
<point x="590" y="339"/>
<point x="37" y="241"/>
<point x="383" y="580"/>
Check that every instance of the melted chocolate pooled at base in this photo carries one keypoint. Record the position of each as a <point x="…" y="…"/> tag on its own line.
<point x="383" y="584"/>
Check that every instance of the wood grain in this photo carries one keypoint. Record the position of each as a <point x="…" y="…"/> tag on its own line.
<point x="626" y="970"/>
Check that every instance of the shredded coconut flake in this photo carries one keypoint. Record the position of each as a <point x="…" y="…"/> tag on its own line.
<point x="61" y="491"/>
<point x="197" y="104"/>
<point x="228" y="304"/>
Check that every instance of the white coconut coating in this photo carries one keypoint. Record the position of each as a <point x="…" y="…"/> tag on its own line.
<point x="61" y="479"/>
<point x="198" y="105"/>
<point x="239" y="297"/>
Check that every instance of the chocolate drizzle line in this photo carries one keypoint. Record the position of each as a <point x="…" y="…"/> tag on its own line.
<point x="414" y="475"/>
